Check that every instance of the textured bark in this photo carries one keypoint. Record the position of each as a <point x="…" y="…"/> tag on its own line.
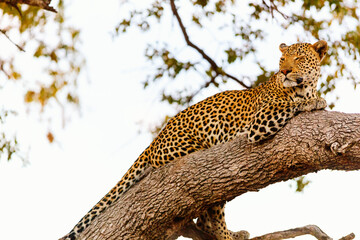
<point x="161" y="204"/>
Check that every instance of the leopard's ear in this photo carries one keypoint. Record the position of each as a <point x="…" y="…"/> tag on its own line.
<point x="321" y="48"/>
<point x="283" y="47"/>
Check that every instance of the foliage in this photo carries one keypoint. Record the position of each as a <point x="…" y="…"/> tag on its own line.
<point x="246" y="25"/>
<point x="8" y="145"/>
<point x="300" y="183"/>
<point x="234" y="31"/>
<point x="54" y="45"/>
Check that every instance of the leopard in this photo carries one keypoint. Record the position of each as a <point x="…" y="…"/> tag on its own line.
<point x="258" y="113"/>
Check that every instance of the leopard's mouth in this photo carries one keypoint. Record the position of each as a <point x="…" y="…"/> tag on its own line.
<point x="298" y="80"/>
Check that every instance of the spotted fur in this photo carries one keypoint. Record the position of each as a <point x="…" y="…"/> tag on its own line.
<point x="259" y="113"/>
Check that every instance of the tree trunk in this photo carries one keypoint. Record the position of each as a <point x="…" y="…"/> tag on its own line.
<point x="164" y="201"/>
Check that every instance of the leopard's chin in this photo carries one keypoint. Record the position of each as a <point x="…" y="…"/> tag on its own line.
<point x="289" y="83"/>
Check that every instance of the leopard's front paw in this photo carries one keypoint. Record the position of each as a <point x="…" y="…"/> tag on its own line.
<point x="320" y="103"/>
<point x="312" y="104"/>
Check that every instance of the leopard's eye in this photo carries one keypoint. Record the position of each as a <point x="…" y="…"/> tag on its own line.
<point x="282" y="59"/>
<point x="299" y="57"/>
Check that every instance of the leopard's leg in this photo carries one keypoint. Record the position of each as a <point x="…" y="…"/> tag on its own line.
<point x="271" y="118"/>
<point x="204" y="222"/>
<point x="213" y="222"/>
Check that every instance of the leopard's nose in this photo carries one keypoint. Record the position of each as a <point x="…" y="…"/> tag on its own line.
<point x="299" y="80"/>
<point x="285" y="71"/>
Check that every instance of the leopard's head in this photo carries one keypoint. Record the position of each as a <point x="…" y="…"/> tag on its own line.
<point x="300" y="63"/>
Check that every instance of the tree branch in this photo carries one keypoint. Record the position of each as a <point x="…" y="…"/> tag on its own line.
<point x="212" y="63"/>
<point x="291" y="233"/>
<point x="44" y="4"/>
<point x="18" y="46"/>
<point x="191" y="231"/>
<point x="166" y="200"/>
<point x="273" y="7"/>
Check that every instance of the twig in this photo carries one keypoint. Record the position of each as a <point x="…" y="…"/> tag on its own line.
<point x="212" y="63"/>
<point x="273" y="7"/>
<point x="4" y="32"/>
<point x="348" y="237"/>
<point x="14" y="5"/>
<point x="336" y="148"/>
<point x="269" y="8"/>
<point x="44" y="4"/>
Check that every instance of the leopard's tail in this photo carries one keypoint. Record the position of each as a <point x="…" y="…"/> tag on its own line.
<point x="135" y="172"/>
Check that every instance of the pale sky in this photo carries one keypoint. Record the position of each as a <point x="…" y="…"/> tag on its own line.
<point x="45" y="199"/>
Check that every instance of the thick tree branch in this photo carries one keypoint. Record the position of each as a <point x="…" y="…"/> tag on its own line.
<point x="44" y="4"/>
<point x="212" y="63"/>
<point x="166" y="200"/>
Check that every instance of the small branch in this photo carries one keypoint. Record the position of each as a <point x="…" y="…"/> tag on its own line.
<point x="44" y="4"/>
<point x="212" y="63"/>
<point x="295" y="232"/>
<point x="273" y="7"/>
<point x="191" y="231"/>
<point x="348" y="237"/>
<point x="336" y="148"/>
<point x="4" y="32"/>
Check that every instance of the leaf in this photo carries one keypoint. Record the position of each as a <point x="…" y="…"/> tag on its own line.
<point x="50" y="137"/>
<point x="39" y="51"/>
<point x="231" y="55"/>
<point x="201" y="3"/>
